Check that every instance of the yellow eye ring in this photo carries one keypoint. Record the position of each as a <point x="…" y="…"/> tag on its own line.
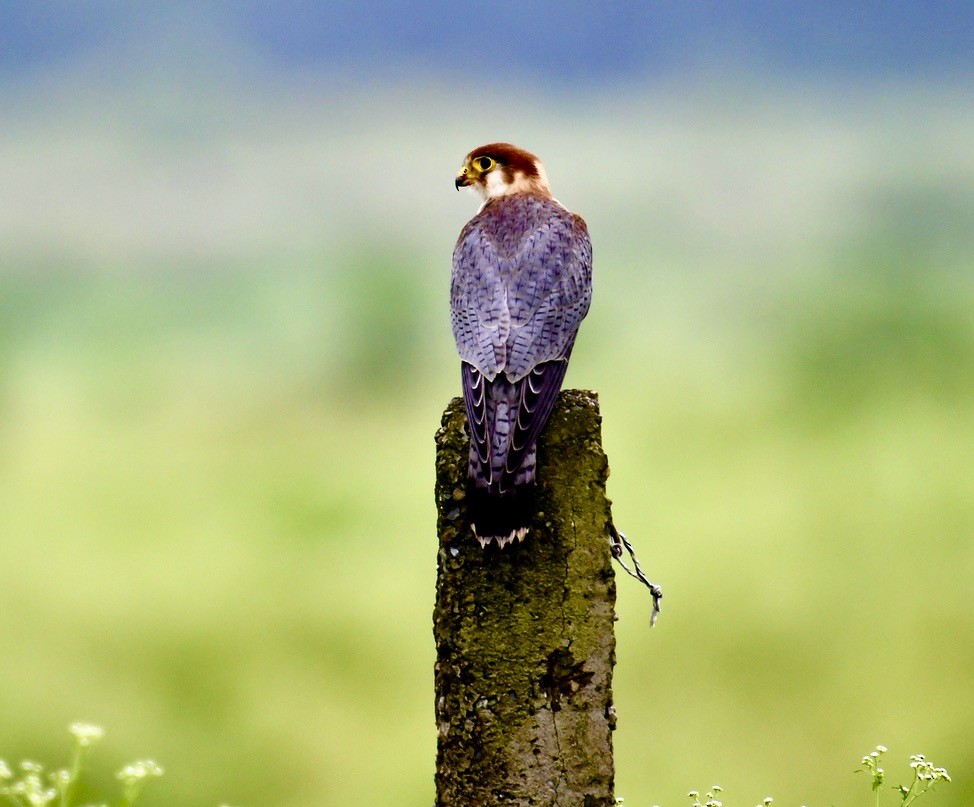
<point x="483" y="164"/>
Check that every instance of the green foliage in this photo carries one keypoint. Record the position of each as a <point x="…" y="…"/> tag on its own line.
<point x="925" y="776"/>
<point x="28" y="785"/>
<point x="879" y="341"/>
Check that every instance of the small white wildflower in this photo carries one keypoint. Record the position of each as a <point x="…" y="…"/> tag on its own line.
<point x="86" y="733"/>
<point x="32" y="790"/>
<point x="61" y="779"/>
<point x="29" y="766"/>
<point x="881" y="748"/>
<point x="134" y="777"/>
<point x="693" y="794"/>
<point x="768" y="800"/>
<point x="137" y="771"/>
<point x="717" y="788"/>
<point x="5" y="772"/>
<point x="41" y="797"/>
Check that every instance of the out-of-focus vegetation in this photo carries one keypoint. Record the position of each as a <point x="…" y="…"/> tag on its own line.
<point x="224" y="350"/>
<point x="28" y="784"/>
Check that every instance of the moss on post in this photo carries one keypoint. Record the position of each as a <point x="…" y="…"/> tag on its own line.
<point x="524" y="635"/>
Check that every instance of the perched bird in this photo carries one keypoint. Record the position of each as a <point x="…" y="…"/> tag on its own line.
<point x="521" y="285"/>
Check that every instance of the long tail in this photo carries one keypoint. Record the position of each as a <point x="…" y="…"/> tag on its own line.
<point x="505" y="418"/>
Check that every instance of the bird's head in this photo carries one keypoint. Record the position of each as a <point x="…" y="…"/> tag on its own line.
<point x="500" y="169"/>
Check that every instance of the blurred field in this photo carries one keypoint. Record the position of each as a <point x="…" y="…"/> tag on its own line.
<point x="224" y="350"/>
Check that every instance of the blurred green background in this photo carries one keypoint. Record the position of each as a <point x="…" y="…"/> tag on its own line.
<point x="225" y="348"/>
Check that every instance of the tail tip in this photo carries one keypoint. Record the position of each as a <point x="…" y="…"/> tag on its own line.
<point x="501" y="540"/>
<point x="501" y="519"/>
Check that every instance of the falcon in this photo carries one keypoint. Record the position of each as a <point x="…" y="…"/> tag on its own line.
<point x="520" y="287"/>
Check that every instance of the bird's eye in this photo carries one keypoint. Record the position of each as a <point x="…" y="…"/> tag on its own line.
<point x="484" y="163"/>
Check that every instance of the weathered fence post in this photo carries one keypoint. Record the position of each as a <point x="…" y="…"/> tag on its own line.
<point x="524" y="635"/>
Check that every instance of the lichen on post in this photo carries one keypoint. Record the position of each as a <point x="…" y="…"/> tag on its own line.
<point x="524" y="635"/>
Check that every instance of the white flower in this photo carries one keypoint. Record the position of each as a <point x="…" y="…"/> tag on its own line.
<point x="137" y="771"/>
<point x="86" y="733"/>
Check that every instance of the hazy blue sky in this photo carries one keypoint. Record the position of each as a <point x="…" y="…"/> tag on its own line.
<point x="542" y="41"/>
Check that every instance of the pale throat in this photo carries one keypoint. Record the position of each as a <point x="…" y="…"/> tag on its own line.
<point x="500" y="183"/>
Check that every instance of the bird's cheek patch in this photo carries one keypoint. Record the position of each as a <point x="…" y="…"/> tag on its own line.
<point x="497" y="183"/>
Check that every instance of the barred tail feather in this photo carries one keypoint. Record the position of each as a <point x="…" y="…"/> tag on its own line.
<point x="505" y="418"/>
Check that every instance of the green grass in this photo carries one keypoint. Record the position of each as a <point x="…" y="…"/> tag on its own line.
<point x="234" y="570"/>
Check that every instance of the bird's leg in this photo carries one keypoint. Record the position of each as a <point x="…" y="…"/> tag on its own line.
<point x="618" y="543"/>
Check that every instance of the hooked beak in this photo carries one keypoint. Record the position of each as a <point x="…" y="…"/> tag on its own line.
<point x="462" y="179"/>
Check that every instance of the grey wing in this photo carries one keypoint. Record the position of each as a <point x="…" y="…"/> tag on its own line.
<point x="511" y="312"/>
<point x="551" y="294"/>
<point x="547" y="309"/>
<point x="518" y="314"/>
<point x="478" y="305"/>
